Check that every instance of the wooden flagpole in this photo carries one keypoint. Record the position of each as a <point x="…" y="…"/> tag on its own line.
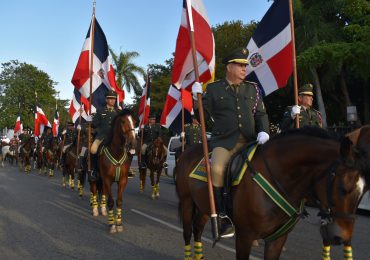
<point x="91" y="63"/>
<point x="202" y="124"/>
<point x="295" y="76"/>
<point x="143" y="120"/>
<point x="182" y="122"/>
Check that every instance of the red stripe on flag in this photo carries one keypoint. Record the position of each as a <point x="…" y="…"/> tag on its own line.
<point x="81" y="73"/>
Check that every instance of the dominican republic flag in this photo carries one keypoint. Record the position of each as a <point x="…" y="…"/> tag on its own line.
<point x="183" y="75"/>
<point x="270" y="49"/>
<point x="144" y="106"/>
<point x="78" y="102"/>
<point x="103" y="73"/>
<point x="56" y="123"/>
<point x="40" y="121"/>
<point x="18" y="128"/>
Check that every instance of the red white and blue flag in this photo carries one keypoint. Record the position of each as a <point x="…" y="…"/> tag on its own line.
<point x="18" y="128"/>
<point x="103" y="78"/>
<point x="78" y="102"/>
<point x="270" y="49"/>
<point x="144" y="106"/>
<point x="40" y="121"/>
<point x="55" y="127"/>
<point x="183" y="75"/>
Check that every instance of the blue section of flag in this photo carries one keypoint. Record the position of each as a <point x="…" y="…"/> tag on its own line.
<point x="176" y="125"/>
<point x="253" y="77"/>
<point x="272" y="23"/>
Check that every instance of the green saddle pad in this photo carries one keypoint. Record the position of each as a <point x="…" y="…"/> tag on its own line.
<point x="199" y="172"/>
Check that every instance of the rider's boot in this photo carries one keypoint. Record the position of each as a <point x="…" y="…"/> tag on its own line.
<point x="225" y="225"/>
<point x="142" y="163"/>
<point x="93" y="173"/>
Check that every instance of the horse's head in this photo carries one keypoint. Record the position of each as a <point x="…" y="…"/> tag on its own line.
<point x="345" y="186"/>
<point x="158" y="142"/>
<point x="124" y="125"/>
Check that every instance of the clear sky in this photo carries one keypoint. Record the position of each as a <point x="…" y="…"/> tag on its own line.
<point x="49" y="33"/>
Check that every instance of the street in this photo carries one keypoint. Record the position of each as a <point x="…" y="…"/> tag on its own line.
<point x="39" y="219"/>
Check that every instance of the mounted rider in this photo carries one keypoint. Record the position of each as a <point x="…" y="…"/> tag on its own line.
<point x="101" y="123"/>
<point x="68" y="136"/>
<point x="14" y="143"/>
<point x="46" y="138"/>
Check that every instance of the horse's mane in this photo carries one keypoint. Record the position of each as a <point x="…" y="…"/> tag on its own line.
<point x="123" y="112"/>
<point x="307" y="131"/>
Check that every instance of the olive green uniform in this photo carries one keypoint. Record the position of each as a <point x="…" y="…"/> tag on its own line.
<point x="192" y="134"/>
<point x="102" y="121"/>
<point x="151" y="133"/>
<point x="307" y="117"/>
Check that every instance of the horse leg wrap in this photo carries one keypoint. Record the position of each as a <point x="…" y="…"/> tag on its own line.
<point x="347" y="252"/>
<point x="78" y="184"/>
<point x="325" y="253"/>
<point x="157" y="190"/>
<point x="110" y="217"/>
<point x="188" y="252"/>
<point x="153" y="192"/>
<point x="198" y="251"/>
<point x="103" y="205"/>
<point x="51" y="173"/>
<point x="95" y="211"/>
<point x="141" y="187"/>
<point x="91" y="199"/>
<point x="119" y="217"/>
<point x="63" y="181"/>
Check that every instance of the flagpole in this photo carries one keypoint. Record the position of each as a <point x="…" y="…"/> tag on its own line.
<point x="203" y="129"/>
<point x="295" y="75"/>
<point x="91" y="63"/>
<point x="143" y="118"/>
<point x="182" y="123"/>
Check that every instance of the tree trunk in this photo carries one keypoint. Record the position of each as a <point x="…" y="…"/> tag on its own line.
<point x="347" y="100"/>
<point x="366" y="102"/>
<point x="320" y="101"/>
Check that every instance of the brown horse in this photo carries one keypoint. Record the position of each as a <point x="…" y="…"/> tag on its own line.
<point x="25" y="154"/>
<point x="114" y="162"/>
<point x="294" y="163"/>
<point x="361" y="138"/>
<point x="38" y="157"/>
<point x="155" y="157"/>
<point x="51" y="156"/>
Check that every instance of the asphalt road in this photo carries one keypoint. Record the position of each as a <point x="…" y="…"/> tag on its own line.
<point x="39" y="219"/>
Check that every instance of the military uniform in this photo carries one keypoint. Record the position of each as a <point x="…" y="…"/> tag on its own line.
<point x="47" y="140"/>
<point x="151" y="133"/>
<point x="192" y="134"/>
<point x="102" y="121"/>
<point x="307" y="117"/>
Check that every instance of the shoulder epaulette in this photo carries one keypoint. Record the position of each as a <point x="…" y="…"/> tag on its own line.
<point x="251" y="82"/>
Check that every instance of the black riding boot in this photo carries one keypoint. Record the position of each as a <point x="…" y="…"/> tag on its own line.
<point x="225" y="225"/>
<point x="93" y="174"/>
<point x="142" y="163"/>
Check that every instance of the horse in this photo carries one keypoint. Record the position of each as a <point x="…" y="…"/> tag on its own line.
<point x="51" y="156"/>
<point x="38" y="157"/>
<point x="25" y="154"/>
<point x="114" y="161"/>
<point x="155" y="157"/>
<point x="359" y="137"/>
<point x="293" y="164"/>
<point x="9" y="153"/>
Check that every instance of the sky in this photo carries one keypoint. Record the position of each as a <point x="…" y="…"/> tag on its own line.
<point x="49" y="33"/>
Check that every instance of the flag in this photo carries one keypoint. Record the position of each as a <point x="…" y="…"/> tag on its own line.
<point x="18" y="128"/>
<point x="144" y="105"/>
<point x="56" y="123"/>
<point x="40" y="121"/>
<point x="183" y="75"/>
<point x="78" y="102"/>
<point x="103" y="73"/>
<point x="270" y="49"/>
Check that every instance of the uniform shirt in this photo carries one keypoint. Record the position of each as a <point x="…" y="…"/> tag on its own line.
<point x="102" y="121"/>
<point x="151" y="133"/>
<point x="234" y="112"/>
<point x="47" y="140"/>
<point x="192" y="134"/>
<point x="307" y="117"/>
<point x="70" y="136"/>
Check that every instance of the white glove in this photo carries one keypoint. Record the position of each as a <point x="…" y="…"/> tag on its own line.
<point x="79" y="127"/>
<point x="295" y="111"/>
<point x="64" y="132"/>
<point x="182" y="135"/>
<point x="262" y="137"/>
<point x="89" y="118"/>
<point x="196" y="89"/>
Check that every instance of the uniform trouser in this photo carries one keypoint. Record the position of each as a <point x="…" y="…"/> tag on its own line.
<point x="95" y="145"/>
<point x="220" y="158"/>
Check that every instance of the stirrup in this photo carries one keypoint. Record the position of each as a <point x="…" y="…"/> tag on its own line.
<point x="226" y="227"/>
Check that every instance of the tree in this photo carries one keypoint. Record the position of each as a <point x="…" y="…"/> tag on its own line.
<point x="19" y="82"/>
<point x="126" y="70"/>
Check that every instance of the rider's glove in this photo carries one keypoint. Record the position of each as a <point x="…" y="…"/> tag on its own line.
<point x="79" y="127"/>
<point x="196" y="89"/>
<point x="295" y="111"/>
<point x="64" y="132"/>
<point x="262" y="137"/>
<point x="182" y="135"/>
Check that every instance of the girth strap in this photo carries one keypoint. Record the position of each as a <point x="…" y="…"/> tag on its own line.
<point x="116" y="163"/>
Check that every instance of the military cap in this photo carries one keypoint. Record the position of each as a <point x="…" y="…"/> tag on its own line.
<point x="70" y="123"/>
<point x="239" y="55"/>
<point x="111" y="94"/>
<point x="306" y="89"/>
<point x="152" y="115"/>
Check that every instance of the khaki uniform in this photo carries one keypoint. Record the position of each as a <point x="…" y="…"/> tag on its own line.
<point x="307" y="117"/>
<point x="239" y="114"/>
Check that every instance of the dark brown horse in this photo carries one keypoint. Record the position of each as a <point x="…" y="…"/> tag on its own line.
<point x="361" y="138"/>
<point x="25" y="154"/>
<point x="294" y="163"/>
<point x="155" y="157"/>
<point x="51" y="156"/>
<point x="38" y="157"/>
<point x="114" y="162"/>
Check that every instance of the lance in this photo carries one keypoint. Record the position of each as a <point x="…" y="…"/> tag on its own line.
<point x="142" y="123"/>
<point x="202" y="124"/>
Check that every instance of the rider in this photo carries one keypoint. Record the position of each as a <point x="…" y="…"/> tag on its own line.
<point x="46" y="138"/>
<point x="150" y="132"/>
<point x="192" y="132"/>
<point x="239" y="116"/>
<point x="68" y="135"/>
<point x="101" y="122"/>
<point x="14" y="142"/>
<point x="307" y="115"/>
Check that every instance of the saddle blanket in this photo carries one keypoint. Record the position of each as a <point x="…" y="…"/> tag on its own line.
<point x="199" y="172"/>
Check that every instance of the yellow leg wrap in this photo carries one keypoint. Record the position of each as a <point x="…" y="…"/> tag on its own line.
<point x="91" y="198"/>
<point x="110" y="218"/>
<point x="119" y="217"/>
<point x="79" y="184"/>
<point x="347" y="252"/>
<point x="325" y="253"/>
<point x="153" y="191"/>
<point x="188" y="252"/>
<point x="51" y="173"/>
<point x="198" y="251"/>
<point x="63" y="181"/>
<point x="70" y="180"/>
<point x="103" y="202"/>
<point x="141" y="186"/>
<point x="94" y="202"/>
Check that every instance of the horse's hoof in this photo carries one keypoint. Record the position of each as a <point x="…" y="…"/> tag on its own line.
<point x="112" y="229"/>
<point x="119" y="228"/>
<point x="95" y="212"/>
<point x="104" y="211"/>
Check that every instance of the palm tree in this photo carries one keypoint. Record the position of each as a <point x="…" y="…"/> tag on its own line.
<point x="126" y="70"/>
